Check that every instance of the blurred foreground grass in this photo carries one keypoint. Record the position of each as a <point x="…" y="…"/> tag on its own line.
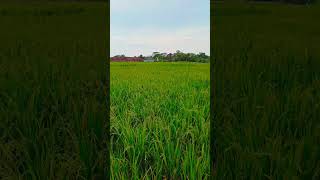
<point x="53" y="90"/>
<point x="266" y="79"/>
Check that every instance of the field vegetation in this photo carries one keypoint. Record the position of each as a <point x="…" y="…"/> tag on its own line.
<point x="160" y="120"/>
<point x="265" y="89"/>
<point x="266" y="99"/>
<point x="53" y="90"/>
<point x="180" y="56"/>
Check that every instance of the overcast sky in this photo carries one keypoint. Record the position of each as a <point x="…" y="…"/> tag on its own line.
<point x="145" y="26"/>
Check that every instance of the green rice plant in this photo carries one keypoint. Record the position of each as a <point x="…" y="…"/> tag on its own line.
<point x="266" y="91"/>
<point x="159" y="120"/>
<point x="53" y="109"/>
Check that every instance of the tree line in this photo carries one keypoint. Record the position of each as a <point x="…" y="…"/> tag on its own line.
<point x="176" y="57"/>
<point x="181" y="56"/>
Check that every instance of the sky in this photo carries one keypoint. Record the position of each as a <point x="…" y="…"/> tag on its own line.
<point x="147" y="26"/>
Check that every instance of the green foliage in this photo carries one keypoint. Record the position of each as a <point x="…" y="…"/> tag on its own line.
<point x="160" y="120"/>
<point x="52" y="84"/>
<point x="266" y="96"/>
<point x="180" y="56"/>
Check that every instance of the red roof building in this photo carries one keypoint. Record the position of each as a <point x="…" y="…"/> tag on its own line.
<point x="126" y="59"/>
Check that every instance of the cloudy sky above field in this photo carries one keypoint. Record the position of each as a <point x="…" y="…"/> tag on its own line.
<point x="144" y="26"/>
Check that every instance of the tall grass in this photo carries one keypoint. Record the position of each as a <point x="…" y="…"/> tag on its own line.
<point x="266" y="92"/>
<point x="52" y="89"/>
<point x="159" y="120"/>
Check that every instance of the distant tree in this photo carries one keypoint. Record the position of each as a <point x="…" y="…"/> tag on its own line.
<point x="120" y="55"/>
<point x="155" y="54"/>
<point x="180" y="56"/>
<point x="202" y="55"/>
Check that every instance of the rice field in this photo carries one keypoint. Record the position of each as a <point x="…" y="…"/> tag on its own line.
<point x="266" y="97"/>
<point x="159" y="120"/>
<point x="53" y="90"/>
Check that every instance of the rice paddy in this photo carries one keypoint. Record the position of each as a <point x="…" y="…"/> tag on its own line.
<point x="266" y="80"/>
<point x="53" y="90"/>
<point x="160" y="120"/>
<point x="53" y="84"/>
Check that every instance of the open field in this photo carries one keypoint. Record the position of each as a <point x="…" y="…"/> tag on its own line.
<point x="266" y="79"/>
<point x="52" y="89"/>
<point x="160" y="120"/>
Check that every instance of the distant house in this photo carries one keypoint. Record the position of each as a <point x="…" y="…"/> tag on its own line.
<point x="148" y="59"/>
<point x="127" y="59"/>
